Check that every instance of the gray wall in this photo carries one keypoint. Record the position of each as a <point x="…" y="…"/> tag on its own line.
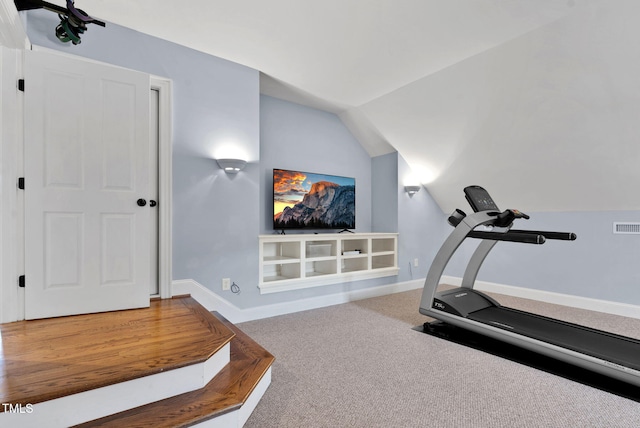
<point x="301" y="138"/>
<point x="599" y="264"/>
<point x="297" y="137"/>
<point x="421" y="224"/>
<point x="384" y="201"/>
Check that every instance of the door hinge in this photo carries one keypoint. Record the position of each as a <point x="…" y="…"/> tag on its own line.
<point x="21" y="281"/>
<point x="21" y="183"/>
<point x="21" y="85"/>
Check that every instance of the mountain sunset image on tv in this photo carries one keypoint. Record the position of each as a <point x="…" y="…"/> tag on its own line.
<point x="315" y="201"/>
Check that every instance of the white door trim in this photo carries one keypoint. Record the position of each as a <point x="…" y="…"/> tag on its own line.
<point x="165" y="151"/>
<point x="12" y="31"/>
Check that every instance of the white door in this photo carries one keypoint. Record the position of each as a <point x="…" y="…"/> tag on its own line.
<point x="86" y="167"/>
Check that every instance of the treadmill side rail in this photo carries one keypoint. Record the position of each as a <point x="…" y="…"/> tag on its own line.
<point x="588" y="362"/>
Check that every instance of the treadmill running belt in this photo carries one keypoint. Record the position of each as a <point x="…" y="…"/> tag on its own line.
<point x="599" y="344"/>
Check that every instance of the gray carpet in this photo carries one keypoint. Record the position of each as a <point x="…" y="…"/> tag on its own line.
<point x="360" y="364"/>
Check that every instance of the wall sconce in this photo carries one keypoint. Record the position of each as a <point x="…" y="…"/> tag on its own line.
<point x="231" y="166"/>
<point x="411" y="190"/>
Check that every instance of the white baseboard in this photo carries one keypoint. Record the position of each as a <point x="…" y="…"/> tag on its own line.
<point x="614" y="308"/>
<point x="213" y="302"/>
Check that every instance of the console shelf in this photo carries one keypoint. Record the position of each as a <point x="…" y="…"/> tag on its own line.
<point x="291" y="262"/>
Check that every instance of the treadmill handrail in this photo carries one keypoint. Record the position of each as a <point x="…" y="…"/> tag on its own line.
<point x="511" y="236"/>
<point x="562" y="236"/>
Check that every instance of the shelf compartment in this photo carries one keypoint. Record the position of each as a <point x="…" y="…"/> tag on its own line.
<point x="354" y="264"/>
<point x="321" y="267"/>
<point x="314" y="249"/>
<point x="383" y="261"/>
<point x="281" y="272"/>
<point x="351" y="245"/>
<point x="274" y="251"/>
<point x="383" y="245"/>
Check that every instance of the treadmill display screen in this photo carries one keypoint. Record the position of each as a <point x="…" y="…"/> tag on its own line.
<point x="479" y="199"/>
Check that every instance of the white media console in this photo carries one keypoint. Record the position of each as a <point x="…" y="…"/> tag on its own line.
<point x="291" y="262"/>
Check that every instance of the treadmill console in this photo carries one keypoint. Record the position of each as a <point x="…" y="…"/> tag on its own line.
<point x="479" y="199"/>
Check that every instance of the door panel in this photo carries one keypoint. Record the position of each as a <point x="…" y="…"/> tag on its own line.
<point x="117" y="249"/>
<point x="86" y="164"/>
<point x="63" y="160"/>
<point x="63" y="238"/>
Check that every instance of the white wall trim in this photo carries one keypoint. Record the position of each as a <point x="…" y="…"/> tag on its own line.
<point x="214" y="302"/>
<point x="596" y="305"/>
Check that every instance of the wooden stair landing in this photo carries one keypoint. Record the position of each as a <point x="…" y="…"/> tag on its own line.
<point x="46" y="359"/>
<point x="174" y="364"/>
<point x="227" y="392"/>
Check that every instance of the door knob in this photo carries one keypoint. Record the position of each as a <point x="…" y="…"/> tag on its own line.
<point x="152" y="203"/>
<point x="142" y="202"/>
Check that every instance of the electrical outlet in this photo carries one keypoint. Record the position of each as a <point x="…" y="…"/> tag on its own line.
<point x="415" y="262"/>
<point x="226" y="284"/>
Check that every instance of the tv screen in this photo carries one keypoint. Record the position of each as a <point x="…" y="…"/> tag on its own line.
<point x="314" y="201"/>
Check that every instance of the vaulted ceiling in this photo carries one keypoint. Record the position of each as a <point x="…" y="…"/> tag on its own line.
<point x="537" y="100"/>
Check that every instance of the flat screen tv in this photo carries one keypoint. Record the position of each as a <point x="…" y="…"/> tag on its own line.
<point x="304" y="200"/>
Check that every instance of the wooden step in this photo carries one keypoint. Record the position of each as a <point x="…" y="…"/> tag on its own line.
<point x="122" y="359"/>
<point x="227" y="392"/>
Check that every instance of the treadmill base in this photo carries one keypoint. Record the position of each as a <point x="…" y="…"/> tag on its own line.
<point x="538" y="361"/>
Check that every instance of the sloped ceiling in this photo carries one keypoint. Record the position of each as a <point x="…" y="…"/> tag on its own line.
<point x="538" y="101"/>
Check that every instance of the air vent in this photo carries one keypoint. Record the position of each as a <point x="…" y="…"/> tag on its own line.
<point x="626" y="228"/>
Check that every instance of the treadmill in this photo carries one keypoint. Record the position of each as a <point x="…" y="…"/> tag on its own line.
<point x="608" y="354"/>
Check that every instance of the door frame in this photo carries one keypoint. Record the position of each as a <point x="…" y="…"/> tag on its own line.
<point x="12" y="33"/>
<point x="12" y="301"/>
<point x="165" y="152"/>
